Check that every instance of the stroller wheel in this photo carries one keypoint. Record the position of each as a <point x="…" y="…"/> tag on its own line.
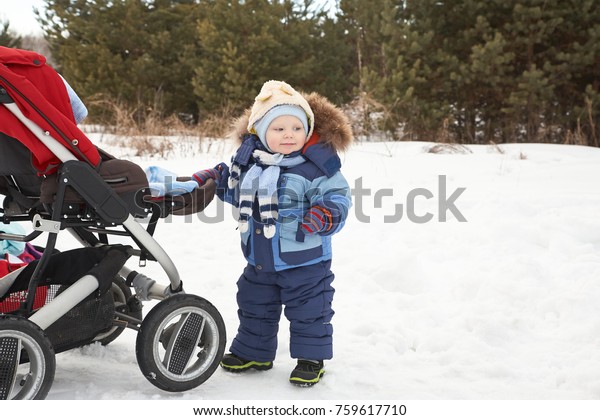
<point x="121" y="294"/>
<point x="180" y="343"/>
<point x="27" y="361"/>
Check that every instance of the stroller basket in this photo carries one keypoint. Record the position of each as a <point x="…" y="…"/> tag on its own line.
<point x="81" y="324"/>
<point x="52" y="176"/>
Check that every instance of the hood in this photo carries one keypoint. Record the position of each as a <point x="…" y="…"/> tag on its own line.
<point x="22" y="57"/>
<point x="332" y="127"/>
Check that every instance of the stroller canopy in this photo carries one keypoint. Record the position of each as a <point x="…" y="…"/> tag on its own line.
<point x="41" y="95"/>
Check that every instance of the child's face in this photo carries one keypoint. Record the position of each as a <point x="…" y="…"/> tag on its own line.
<point x="285" y="135"/>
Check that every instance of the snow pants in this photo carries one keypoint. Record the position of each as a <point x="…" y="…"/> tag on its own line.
<point x="306" y="293"/>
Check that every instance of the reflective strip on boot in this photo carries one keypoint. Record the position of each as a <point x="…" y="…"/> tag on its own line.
<point x="307" y="373"/>
<point x="307" y="382"/>
<point x="234" y="363"/>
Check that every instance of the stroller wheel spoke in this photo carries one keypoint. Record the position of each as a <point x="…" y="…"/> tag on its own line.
<point x="10" y="349"/>
<point x="182" y="345"/>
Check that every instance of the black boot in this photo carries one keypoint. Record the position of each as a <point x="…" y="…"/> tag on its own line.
<point x="307" y="372"/>
<point x="233" y="363"/>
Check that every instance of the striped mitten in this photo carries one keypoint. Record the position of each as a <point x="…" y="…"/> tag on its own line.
<point x="317" y="219"/>
<point x="202" y="176"/>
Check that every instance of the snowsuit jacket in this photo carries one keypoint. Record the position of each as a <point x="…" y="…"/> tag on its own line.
<point x="317" y="181"/>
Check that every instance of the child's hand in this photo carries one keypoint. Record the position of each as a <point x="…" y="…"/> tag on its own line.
<point x="317" y="219"/>
<point x="223" y="170"/>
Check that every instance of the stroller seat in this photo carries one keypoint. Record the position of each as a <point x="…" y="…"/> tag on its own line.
<point x="54" y="177"/>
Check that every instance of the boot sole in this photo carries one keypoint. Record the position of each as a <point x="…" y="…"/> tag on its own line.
<point x="248" y="366"/>
<point x="305" y="383"/>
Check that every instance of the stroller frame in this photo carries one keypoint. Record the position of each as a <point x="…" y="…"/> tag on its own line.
<point x="84" y="179"/>
<point x="181" y="340"/>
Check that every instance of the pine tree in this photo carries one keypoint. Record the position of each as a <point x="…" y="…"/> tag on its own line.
<point x="472" y="71"/>
<point x="245" y="43"/>
<point x="7" y="38"/>
<point x="132" y="52"/>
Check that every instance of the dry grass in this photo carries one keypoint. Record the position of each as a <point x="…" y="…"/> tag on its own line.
<point x="149" y="133"/>
<point x="585" y="134"/>
<point x="217" y="125"/>
<point x="496" y="148"/>
<point x="449" y="148"/>
<point x="369" y="118"/>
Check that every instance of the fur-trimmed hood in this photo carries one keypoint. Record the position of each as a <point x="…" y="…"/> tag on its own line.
<point x="332" y="126"/>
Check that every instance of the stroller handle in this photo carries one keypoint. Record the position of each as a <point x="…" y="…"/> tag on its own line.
<point x="55" y="147"/>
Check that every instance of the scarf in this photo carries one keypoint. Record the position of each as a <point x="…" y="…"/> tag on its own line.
<point x="260" y="181"/>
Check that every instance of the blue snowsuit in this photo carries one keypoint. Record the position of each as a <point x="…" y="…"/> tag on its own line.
<point x="293" y="269"/>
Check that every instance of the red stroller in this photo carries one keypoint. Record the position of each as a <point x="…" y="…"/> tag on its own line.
<point x="53" y="176"/>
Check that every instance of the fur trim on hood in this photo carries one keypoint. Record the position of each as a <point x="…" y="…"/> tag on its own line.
<point x="331" y="124"/>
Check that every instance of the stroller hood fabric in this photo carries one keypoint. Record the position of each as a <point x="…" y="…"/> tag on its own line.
<point x="41" y="95"/>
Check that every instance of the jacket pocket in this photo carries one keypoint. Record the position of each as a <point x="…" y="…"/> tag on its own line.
<point x="294" y="252"/>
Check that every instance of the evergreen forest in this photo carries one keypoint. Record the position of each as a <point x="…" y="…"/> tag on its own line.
<point x="457" y="71"/>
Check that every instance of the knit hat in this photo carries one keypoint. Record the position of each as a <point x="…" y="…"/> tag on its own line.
<point x="275" y="94"/>
<point x="261" y="126"/>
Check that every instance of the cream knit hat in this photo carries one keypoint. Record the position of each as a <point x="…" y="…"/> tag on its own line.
<point x="274" y="93"/>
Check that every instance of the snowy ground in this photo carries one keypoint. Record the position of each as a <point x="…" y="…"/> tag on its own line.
<point x="503" y="306"/>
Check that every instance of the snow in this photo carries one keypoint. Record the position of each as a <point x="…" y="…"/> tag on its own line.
<point x="502" y="306"/>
